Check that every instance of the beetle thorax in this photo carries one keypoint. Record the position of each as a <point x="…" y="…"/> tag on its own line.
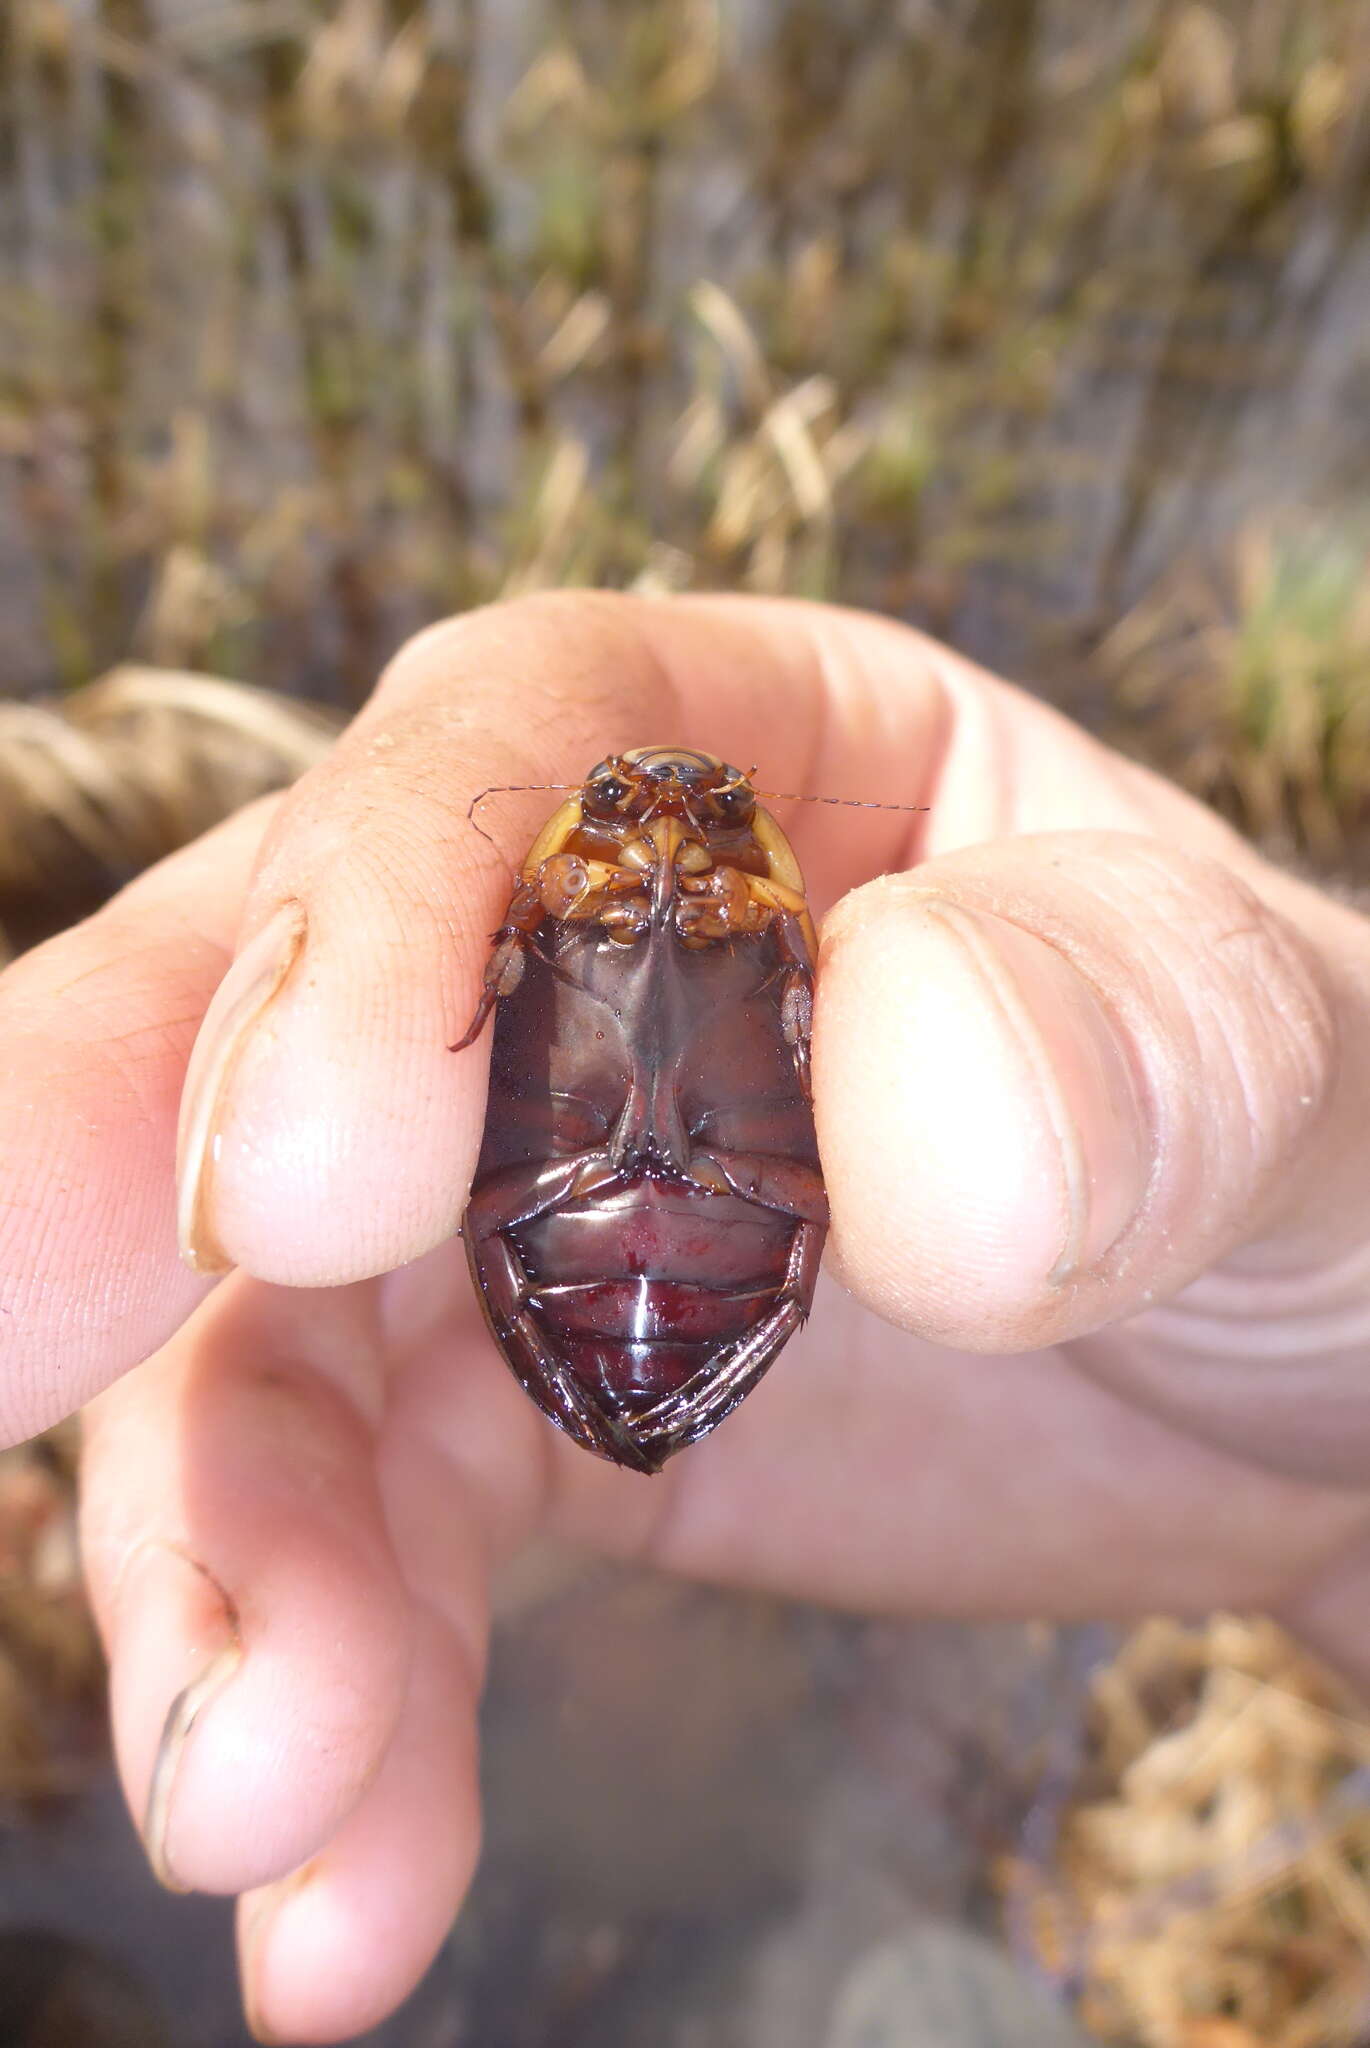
<point x="643" y="843"/>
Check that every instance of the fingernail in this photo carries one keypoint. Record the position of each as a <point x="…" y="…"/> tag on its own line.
<point x="252" y="1928"/>
<point x="257" y="1914"/>
<point x="1089" y="1088"/>
<point x="252" y="1925"/>
<point x="252" y="982"/>
<point x="177" y="1638"/>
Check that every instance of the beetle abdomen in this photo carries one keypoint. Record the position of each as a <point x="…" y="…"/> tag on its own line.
<point x="641" y="1289"/>
<point x="666" y="1229"/>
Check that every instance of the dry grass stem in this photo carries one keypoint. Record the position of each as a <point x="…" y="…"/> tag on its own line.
<point x="1211" y="1881"/>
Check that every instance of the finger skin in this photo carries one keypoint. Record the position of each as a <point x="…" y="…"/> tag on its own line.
<point x="254" y="1540"/>
<point x="96" y="1027"/>
<point x="347" y="1139"/>
<point x="1057" y="1079"/>
<point x="873" y="1471"/>
<point x="295" y="1507"/>
<point x="335" y="1947"/>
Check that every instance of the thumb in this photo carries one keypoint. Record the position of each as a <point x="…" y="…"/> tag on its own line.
<point x="1058" y="1076"/>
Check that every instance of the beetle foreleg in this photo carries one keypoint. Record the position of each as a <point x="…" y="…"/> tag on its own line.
<point x="576" y="889"/>
<point x="626" y="922"/>
<point x="719" y="904"/>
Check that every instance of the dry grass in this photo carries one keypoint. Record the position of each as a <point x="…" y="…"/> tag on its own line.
<point x="1211" y="1881"/>
<point x="326" y="320"/>
<point x="51" y="1670"/>
<point x="1251" y="680"/>
<point x="99" y="786"/>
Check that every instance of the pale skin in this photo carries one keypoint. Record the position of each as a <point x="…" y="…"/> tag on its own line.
<point x="1091" y="1087"/>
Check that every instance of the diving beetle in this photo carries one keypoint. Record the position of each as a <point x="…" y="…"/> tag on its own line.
<point x="647" y="1215"/>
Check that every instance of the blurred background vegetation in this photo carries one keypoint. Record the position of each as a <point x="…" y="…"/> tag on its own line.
<point x="1043" y="324"/>
<point x="1040" y="323"/>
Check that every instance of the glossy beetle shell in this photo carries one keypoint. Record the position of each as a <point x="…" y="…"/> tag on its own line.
<point x="647" y="1214"/>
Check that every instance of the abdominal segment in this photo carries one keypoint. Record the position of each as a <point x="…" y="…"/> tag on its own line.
<point x="639" y="1290"/>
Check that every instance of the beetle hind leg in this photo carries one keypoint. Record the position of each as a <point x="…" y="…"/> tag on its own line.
<point x="501" y="1287"/>
<point x="697" y="1407"/>
<point x="694" y="1409"/>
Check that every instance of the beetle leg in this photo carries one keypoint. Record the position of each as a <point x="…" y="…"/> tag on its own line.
<point x="719" y="904"/>
<point x="705" y="1171"/>
<point x="693" y="1410"/>
<point x="503" y="973"/>
<point x="792" y="917"/>
<point x="728" y="902"/>
<point x="789" y="1185"/>
<point x="796" y="1021"/>
<point x="692" y="1413"/>
<point x="620" y="905"/>
<point x="576" y="889"/>
<point x="625" y="921"/>
<point x="806" y="1255"/>
<point x="517" y="1194"/>
<point x="504" y="968"/>
<point x="536" y="1368"/>
<point x="502" y="1287"/>
<point x="565" y="887"/>
<point x="796" y="992"/>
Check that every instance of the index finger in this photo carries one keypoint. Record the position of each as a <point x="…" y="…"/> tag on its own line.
<point x="330" y="1135"/>
<point x="95" y="1030"/>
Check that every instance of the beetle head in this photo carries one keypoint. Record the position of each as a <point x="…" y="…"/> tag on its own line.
<point x="655" y="782"/>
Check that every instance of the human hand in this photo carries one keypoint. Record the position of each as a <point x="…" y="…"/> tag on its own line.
<point x="1090" y="1082"/>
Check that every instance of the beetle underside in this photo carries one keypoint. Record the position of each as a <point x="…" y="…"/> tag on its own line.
<point x="647" y="1215"/>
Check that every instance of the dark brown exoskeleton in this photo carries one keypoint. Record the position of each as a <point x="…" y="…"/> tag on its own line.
<point x="647" y="1215"/>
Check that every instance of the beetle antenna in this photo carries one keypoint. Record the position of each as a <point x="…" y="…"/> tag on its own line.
<point x="508" y="789"/>
<point x="851" y="803"/>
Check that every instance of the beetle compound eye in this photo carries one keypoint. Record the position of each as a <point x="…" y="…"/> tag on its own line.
<point x="605" y="793"/>
<point x="736" y="802"/>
